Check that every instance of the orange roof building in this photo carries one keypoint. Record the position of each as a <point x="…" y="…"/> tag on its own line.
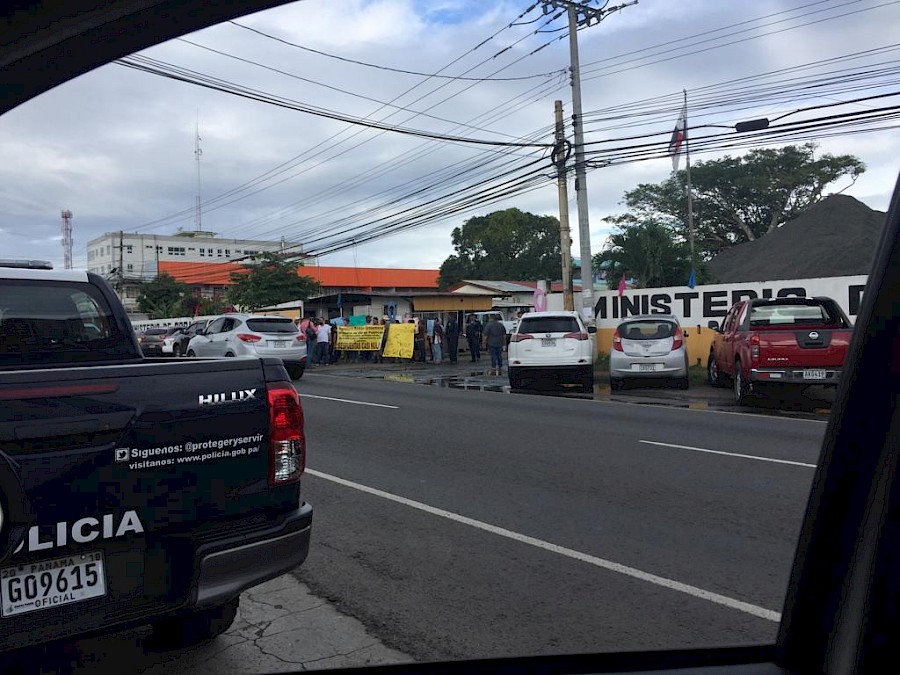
<point x="331" y="279"/>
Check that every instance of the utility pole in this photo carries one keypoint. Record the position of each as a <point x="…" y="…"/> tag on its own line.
<point x="198" y="226"/>
<point x="581" y="15"/>
<point x="67" y="238"/>
<point x="561" y="154"/>
<point x="120" y="272"/>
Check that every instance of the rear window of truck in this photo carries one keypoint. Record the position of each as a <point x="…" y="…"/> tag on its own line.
<point x="806" y="314"/>
<point x="56" y="323"/>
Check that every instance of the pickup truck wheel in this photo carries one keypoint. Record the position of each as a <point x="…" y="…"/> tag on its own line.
<point x="192" y="629"/>
<point x="740" y="385"/>
<point x="712" y="372"/>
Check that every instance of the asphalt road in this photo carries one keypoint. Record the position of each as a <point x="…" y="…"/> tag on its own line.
<point x="465" y="524"/>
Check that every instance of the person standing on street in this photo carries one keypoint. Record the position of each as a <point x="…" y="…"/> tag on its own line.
<point x="494" y="339"/>
<point x="437" y="342"/>
<point x="308" y="328"/>
<point x="451" y="332"/>
<point x="473" y="337"/>
<point x="323" y="342"/>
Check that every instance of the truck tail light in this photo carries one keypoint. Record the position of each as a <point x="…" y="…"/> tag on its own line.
<point x="617" y="341"/>
<point x="247" y="337"/>
<point x="577" y="336"/>
<point x="677" y="339"/>
<point x="520" y="337"/>
<point x="287" y="443"/>
<point x="754" y="347"/>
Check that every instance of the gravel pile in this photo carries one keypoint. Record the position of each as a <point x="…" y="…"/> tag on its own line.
<point x="833" y="238"/>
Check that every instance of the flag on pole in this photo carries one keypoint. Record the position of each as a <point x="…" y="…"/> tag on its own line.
<point x="677" y="139"/>
<point x="692" y="281"/>
<point x="622" y="285"/>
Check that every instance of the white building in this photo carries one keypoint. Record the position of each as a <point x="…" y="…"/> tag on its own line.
<point x="142" y="256"/>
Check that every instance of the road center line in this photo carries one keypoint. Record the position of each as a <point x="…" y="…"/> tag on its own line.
<point x="729" y="454"/>
<point x="609" y="565"/>
<point x="347" y="400"/>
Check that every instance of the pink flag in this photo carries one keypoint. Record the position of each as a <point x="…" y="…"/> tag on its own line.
<point x="622" y="285"/>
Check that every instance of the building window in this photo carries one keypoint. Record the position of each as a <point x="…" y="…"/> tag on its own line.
<point x="202" y="252"/>
<point x="129" y="267"/>
<point x="176" y="250"/>
<point x="128" y="248"/>
<point x="132" y="292"/>
<point x="227" y="253"/>
<point x="219" y="252"/>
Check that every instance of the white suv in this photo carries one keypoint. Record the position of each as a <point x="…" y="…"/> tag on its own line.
<point x="253" y="335"/>
<point x="552" y="345"/>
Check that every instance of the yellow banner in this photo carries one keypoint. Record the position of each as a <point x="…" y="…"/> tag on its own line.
<point x="399" y="343"/>
<point x="359" y="338"/>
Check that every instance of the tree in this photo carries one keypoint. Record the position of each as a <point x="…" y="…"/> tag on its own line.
<point x="504" y="245"/>
<point x="648" y="252"/>
<point x="162" y="297"/>
<point x="269" y="281"/>
<point x="739" y="199"/>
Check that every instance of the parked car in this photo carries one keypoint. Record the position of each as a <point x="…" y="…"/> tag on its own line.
<point x="180" y="346"/>
<point x="648" y="346"/>
<point x="554" y="346"/>
<point x="152" y="339"/>
<point x="148" y="509"/>
<point x="253" y="335"/>
<point x="779" y="342"/>
<point x="168" y="345"/>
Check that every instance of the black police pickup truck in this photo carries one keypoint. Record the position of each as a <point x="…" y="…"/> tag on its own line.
<point x="134" y="490"/>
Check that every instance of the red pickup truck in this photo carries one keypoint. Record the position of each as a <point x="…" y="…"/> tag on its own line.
<point x="786" y="341"/>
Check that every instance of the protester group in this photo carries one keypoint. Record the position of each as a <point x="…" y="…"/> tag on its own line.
<point x="433" y="341"/>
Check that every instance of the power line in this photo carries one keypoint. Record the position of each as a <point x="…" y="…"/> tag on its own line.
<point x="402" y="70"/>
<point x="167" y="70"/>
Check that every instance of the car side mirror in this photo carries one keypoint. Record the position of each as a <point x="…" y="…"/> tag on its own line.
<point x="713" y="325"/>
<point x="592" y="329"/>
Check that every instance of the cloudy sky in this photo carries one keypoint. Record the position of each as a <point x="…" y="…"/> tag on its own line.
<point x="116" y="146"/>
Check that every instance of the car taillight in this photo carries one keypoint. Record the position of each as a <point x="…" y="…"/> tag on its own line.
<point x="677" y="339"/>
<point x="519" y="337"/>
<point x="577" y="336"/>
<point x="617" y="341"/>
<point x="247" y="337"/>
<point x="300" y="337"/>
<point x="754" y="346"/>
<point x="287" y="443"/>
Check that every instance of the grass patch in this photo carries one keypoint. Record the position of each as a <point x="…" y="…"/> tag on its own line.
<point x="697" y="375"/>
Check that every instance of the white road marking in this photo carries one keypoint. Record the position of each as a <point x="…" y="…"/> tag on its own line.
<point x="609" y="565"/>
<point x="729" y="454"/>
<point x="715" y="412"/>
<point x="347" y="400"/>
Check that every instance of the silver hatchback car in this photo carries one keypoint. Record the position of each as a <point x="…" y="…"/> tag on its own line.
<point x="648" y="346"/>
<point x="253" y="335"/>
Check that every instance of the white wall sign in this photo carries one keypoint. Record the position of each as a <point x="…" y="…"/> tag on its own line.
<point x="710" y="303"/>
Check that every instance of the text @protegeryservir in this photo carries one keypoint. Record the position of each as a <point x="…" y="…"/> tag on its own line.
<point x="189" y="452"/>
